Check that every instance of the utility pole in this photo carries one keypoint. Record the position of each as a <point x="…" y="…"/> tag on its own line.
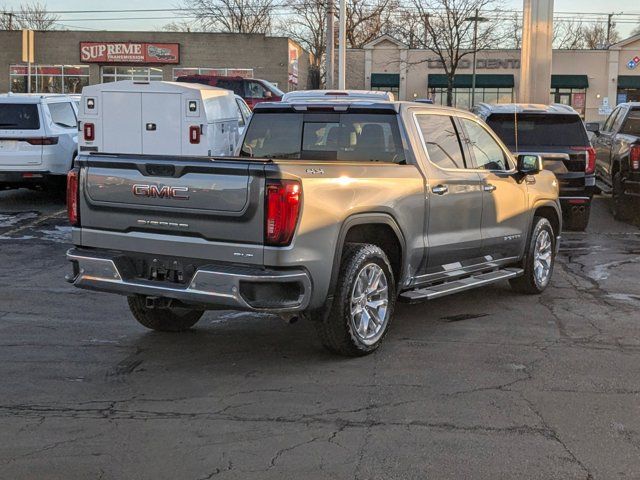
<point x="475" y="51"/>
<point x="330" y="49"/>
<point x="609" y="26"/>
<point x="342" y="46"/>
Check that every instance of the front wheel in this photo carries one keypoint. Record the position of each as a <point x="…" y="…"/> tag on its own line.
<point x="539" y="259"/>
<point x="363" y="304"/>
<point x="170" y="319"/>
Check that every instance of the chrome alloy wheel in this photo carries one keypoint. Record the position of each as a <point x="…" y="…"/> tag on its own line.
<point x="542" y="258"/>
<point x="369" y="304"/>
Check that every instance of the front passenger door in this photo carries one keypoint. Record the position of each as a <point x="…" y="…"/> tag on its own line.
<point x="505" y="214"/>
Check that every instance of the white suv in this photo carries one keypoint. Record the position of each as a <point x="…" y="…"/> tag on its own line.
<point x="38" y="139"/>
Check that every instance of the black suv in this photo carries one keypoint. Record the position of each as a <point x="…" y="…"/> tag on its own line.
<point x="558" y="134"/>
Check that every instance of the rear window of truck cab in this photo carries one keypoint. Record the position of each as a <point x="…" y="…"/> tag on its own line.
<point x="539" y="130"/>
<point x="631" y="125"/>
<point x="19" y="116"/>
<point x="353" y="137"/>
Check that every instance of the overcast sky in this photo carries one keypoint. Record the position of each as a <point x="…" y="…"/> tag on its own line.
<point x="586" y="6"/>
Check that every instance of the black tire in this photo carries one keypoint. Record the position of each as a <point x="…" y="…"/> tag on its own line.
<point x="621" y="204"/>
<point x="528" y="282"/>
<point x="173" y="319"/>
<point x="335" y="328"/>
<point x="578" y="221"/>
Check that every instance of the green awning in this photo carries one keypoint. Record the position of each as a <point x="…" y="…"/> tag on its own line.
<point x="628" y="81"/>
<point x="569" y="81"/>
<point x="385" y="80"/>
<point x="439" y="80"/>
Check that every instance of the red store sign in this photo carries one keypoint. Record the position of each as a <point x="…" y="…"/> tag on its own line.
<point x="129" y="52"/>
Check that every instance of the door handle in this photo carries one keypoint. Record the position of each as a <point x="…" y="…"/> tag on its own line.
<point x="489" y="188"/>
<point x="440" y="189"/>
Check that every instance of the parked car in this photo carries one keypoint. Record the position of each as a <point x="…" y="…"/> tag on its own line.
<point x="38" y="140"/>
<point x="332" y="213"/>
<point x="324" y="95"/>
<point x="252" y="90"/>
<point x="160" y="118"/>
<point x="244" y="114"/>
<point x="557" y="133"/>
<point x="617" y="147"/>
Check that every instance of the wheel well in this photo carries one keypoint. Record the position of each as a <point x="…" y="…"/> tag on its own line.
<point x="550" y="214"/>
<point x="384" y="237"/>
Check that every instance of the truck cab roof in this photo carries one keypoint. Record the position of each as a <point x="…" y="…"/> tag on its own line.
<point x="34" y="97"/>
<point x="486" y="109"/>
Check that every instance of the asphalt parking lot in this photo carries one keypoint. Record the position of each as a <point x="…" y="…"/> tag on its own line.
<point x="487" y="384"/>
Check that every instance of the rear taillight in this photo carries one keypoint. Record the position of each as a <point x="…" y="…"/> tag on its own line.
<point x="590" y="165"/>
<point x="89" y="131"/>
<point x="42" y="141"/>
<point x="282" y="208"/>
<point x="194" y="134"/>
<point x="634" y="157"/>
<point x="73" y="197"/>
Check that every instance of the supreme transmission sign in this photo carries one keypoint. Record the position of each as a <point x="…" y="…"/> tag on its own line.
<point x="129" y="52"/>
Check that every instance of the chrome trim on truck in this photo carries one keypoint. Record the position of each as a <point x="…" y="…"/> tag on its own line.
<point x="210" y="285"/>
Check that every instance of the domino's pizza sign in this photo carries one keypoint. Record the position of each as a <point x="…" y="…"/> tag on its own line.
<point x="633" y="63"/>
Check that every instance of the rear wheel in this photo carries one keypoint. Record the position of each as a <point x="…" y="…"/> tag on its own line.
<point x="621" y="204"/>
<point x="171" y="319"/>
<point x="363" y="304"/>
<point x="539" y="259"/>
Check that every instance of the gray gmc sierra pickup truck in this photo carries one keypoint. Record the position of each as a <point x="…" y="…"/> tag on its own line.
<point x="331" y="210"/>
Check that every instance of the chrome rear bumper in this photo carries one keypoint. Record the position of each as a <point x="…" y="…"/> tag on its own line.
<point x="211" y="286"/>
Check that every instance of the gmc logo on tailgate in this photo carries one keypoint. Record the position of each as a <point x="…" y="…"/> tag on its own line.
<point x="155" y="191"/>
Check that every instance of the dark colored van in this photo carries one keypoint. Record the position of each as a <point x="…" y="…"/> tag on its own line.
<point x="252" y="90"/>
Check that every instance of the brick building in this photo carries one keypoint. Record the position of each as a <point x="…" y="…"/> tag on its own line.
<point x="65" y="61"/>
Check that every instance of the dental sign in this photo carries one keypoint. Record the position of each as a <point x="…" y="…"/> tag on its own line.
<point x="129" y="52"/>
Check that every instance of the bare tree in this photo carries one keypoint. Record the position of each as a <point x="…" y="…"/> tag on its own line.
<point x="235" y="16"/>
<point x="307" y="26"/>
<point x="599" y="36"/>
<point x="569" y="34"/>
<point x="180" y="26"/>
<point x="448" y="27"/>
<point x="368" y="19"/>
<point x="33" y="15"/>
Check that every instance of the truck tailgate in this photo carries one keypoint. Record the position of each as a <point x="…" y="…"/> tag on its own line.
<point x="207" y="200"/>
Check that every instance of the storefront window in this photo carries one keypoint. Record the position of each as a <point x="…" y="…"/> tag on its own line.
<point x="140" y="74"/>
<point x="218" y="72"/>
<point x="462" y="96"/>
<point x="49" y="78"/>
<point x="572" y="97"/>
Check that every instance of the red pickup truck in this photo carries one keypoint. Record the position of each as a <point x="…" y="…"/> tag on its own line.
<point x="252" y="90"/>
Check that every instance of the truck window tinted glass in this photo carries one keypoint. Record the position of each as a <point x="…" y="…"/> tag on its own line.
<point x="16" y="116"/>
<point x="342" y="137"/>
<point x="256" y="90"/>
<point x="632" y="124"/>
<point x="441" y="140"/>
<point x="617" y="123"/>
<point x="486" y="151"/>
<point x="234" y="85"/>
<point x="62" y="114"/>
<point x="553" y="130"/>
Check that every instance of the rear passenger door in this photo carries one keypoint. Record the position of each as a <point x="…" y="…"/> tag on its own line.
<point x="454" y="194"/>
<point x="505" y="216"/>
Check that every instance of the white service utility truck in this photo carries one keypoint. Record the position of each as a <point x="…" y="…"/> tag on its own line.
<point x="158" y="118"/>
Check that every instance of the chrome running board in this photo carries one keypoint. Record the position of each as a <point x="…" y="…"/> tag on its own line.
<point x="442" y="289"/>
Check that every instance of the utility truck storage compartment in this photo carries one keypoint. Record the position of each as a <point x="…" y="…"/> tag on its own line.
<point x="158" y="118"/>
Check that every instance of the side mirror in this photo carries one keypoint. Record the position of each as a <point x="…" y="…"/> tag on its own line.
<point x="593" y="127"/>
<point x="529" y="164"/>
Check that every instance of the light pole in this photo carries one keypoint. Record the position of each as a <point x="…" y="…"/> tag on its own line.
<point x="475" y="19"/>
<point x="342" y="47"/>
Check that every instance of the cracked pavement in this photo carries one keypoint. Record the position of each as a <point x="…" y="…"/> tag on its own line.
<point x="486" y="384"/>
